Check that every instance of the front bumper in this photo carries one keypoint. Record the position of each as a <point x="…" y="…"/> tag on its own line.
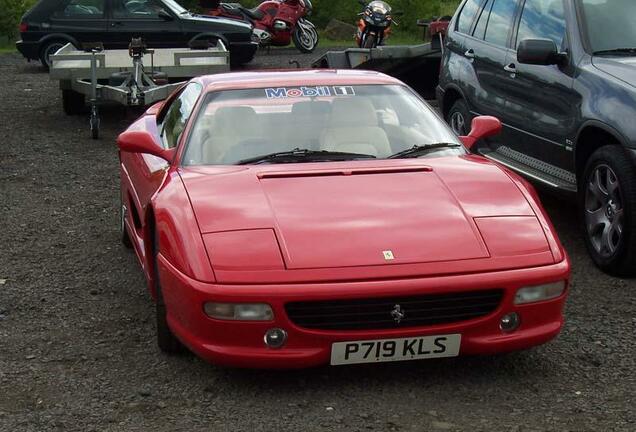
<point x="240" y="344"/>
<point x="28" y="49"/>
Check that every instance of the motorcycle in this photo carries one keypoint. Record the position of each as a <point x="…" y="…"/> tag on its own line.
<point x="375" y="25"/>
<point x="276" y="22"/>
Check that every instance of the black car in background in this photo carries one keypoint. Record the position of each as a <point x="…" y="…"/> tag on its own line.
<point x="561" y="76"/>
<point x="51" y="24"/>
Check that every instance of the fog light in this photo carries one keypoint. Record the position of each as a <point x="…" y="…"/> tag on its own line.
<point x="510" y="322"/>
<point x="239" y="311"/>
<point x="275" y="338"/>
<point x="539" y="293"/>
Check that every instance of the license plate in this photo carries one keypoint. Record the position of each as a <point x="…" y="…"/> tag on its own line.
<point x="389" y="350"/>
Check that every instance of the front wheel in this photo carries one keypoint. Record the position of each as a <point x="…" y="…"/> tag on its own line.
<point x="305" y="38"/>
<point x="459" y="118"/>
<point x="608" y="209"/>
<point x="370" y="41"/>
<point x="166" y="340"/>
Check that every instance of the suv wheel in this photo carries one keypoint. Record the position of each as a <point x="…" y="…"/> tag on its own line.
<point x="48" y="49"/>
<point x="459" y="118"/>
<point x="608" y="203"/>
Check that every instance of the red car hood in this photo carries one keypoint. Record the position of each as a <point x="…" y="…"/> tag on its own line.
<point x="365" y="213"/>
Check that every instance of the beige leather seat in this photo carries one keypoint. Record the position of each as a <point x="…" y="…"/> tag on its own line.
<point x="230" y="126"/>
<point x="353" y="127"/>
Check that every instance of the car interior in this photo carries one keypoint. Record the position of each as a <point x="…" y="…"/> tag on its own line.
<point x="363" y="125"/>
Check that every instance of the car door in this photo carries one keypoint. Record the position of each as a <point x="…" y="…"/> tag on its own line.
<point x="487" y="47"/>
<point x="84" y="20"/>
<point x="542" y="106"/>
<point x="151" y="20"/>
<point x="142" y="174"/>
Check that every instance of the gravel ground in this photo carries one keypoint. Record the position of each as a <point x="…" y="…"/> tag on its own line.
<point x="77" y="326"/>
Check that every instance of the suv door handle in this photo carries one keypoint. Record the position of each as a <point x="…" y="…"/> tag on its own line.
<point x="512" y="68"/>
<point x="470" y="54"/>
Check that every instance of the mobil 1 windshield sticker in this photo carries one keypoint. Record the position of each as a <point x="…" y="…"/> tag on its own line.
<point x="299" y="92"/>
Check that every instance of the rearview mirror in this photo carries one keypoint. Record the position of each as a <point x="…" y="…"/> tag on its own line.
<point x="542" y="52"/>
<point x="481" y="127"/>
<point x="143" y="142"/>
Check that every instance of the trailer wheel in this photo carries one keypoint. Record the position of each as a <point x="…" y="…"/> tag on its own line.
<point x="74" y="103"/>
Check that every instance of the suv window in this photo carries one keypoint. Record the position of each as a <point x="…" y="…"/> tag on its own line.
<point x="177" y="116"/>
<point x="542" y="19"/>
<point x="467" y="16"/>
<point x="500" y="21"/>
<point x="80" y="9"/>
<point x="136" y="9"/>
<point x="482" y="22"/>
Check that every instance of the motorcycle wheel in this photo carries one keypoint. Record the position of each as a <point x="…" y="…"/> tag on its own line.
<point x="369" y="41"/>
<point x="305" y="41"/>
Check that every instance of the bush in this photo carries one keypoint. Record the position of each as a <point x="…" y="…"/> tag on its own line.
<point x="345" y="10"/>
<point x="11" y="12"/>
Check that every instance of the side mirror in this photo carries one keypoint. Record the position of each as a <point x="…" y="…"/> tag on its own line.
<point x="139" y="141"/>
<point x="481" y="127"/>
<point x="164" y="15"/>
<point x="542" y="52"/>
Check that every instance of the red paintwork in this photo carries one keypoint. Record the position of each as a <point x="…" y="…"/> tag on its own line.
<point x="280" y="233"/>
<point x="289" y="11"/>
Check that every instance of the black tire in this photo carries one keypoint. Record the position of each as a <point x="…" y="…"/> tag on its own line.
<point x="459" y="118"/>
<point x="369" y="41"/>
<point x="125" y="238"/>
<point x="609" y="183"/>
<point x="74" y="103"/>
<point x="166" y="340"/>
<point x="305" y="42"/>
<point x="50" y="47"/>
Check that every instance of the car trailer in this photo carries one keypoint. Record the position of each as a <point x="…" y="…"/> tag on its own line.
<point x="121" y="76"/>
<point x="416" y="65"/>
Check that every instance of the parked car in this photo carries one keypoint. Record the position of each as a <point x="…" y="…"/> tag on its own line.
<point x="561" y="75"/>
<point x="51" y="24"/>
<point x="293" y="219"/>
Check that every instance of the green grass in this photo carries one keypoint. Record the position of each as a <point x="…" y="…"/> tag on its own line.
<point x="6" y="46"/>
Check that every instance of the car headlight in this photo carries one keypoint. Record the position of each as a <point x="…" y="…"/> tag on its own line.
<point x="239" y="311"/>
<point x="539" y="292"/>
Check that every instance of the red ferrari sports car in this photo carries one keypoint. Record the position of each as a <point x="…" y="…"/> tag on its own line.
<point x="293" y="219"/>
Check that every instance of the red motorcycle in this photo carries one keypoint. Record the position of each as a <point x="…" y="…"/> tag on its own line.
<point x="276" y="22"/>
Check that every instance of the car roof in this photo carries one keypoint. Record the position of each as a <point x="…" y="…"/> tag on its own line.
<point x="295" y="78"/>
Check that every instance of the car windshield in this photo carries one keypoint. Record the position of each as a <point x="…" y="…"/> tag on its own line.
<point x="310" y="123"/>
<point x="175" y="7"/>
<point x="610" y="25"/>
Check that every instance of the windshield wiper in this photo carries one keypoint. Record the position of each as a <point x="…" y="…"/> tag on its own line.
<point x="304" y="155"/>
<point x="418" y="150"/>
<point x="617" y="50"/>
